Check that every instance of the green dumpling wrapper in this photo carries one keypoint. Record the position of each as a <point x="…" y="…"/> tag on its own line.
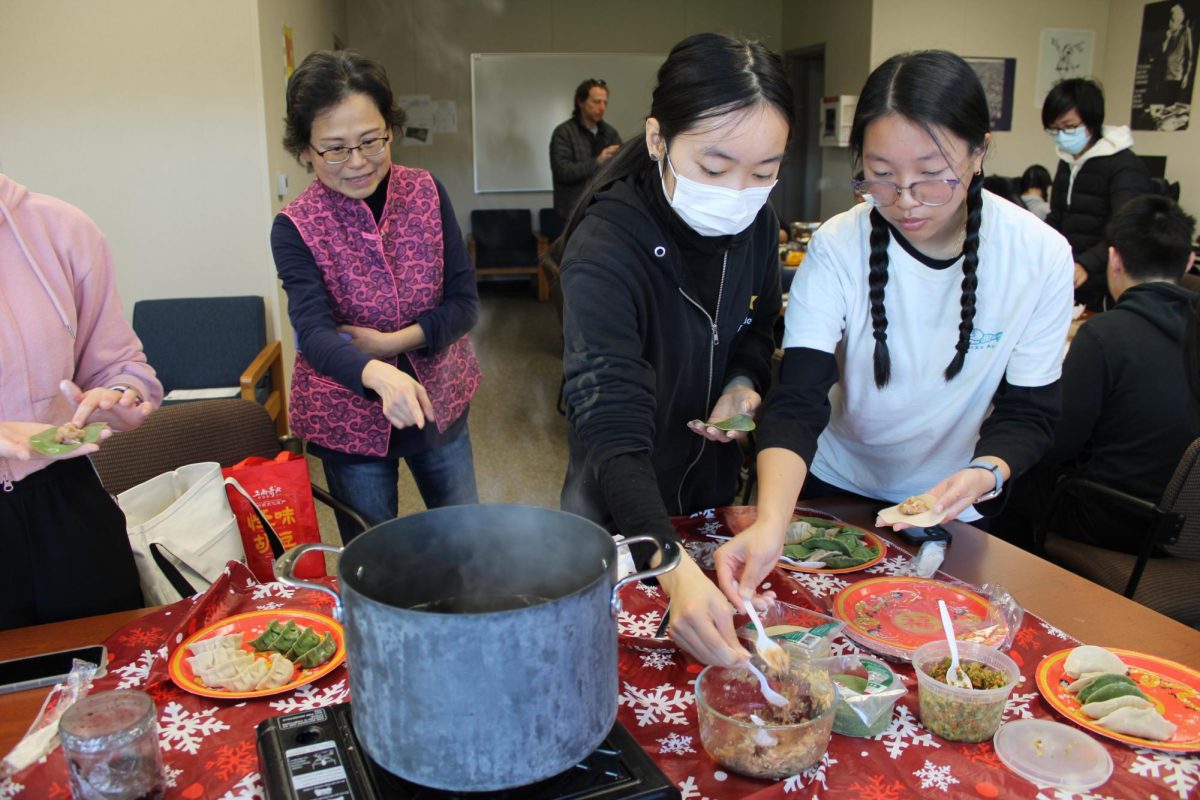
<point x="307" y="641"/>
<point x="1099" y="682"/>
<point x="1112" y="691"/>
<point x="268" y="637"/>
<point x="287" y="638"/>
<point x="319" y="654"/>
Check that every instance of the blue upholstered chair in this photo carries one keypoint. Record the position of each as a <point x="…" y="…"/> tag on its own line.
<point x="502" y="242"/>
<point x="213" y="344"/>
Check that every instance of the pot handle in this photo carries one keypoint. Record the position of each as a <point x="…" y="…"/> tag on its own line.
<point x="286" y="564"/>
<point x="670" y="560"/>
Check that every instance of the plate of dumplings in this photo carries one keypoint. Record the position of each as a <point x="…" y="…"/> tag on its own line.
<point x="1124" y="695"/>
<point x="258" y="654"/>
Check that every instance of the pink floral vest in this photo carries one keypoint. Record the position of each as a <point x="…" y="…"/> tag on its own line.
<point x="377" y="276"/>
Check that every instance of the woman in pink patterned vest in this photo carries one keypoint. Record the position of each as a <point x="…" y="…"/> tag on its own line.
<point x="381" y="294"/>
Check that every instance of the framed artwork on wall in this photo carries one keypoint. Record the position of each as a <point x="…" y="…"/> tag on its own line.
<point x="1063" y="54"/>
<point x="998" y="75"/>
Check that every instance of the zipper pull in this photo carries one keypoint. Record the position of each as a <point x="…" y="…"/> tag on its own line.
<point x="716" y="335"/>
<point x="8" y="486"/>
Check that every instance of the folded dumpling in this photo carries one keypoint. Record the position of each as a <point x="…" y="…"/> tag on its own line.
<point x="231" y="641"/>
<point x="249" y="676"/>
<point x="279" y="672"/>
<point x="1105" y="707"/>
<point x="1142" y="722"/>
<point x="1089" y="658"/>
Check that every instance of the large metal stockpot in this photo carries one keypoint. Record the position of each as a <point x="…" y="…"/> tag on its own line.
<point x="481" y="641"/>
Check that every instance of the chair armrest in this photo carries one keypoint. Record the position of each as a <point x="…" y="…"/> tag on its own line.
<point x="262" y="362"/>
<point x="471" y="247"/>
<point x="543" y="244"/>
<point x="1083" y="486"/>
<point x="337" y="505"/>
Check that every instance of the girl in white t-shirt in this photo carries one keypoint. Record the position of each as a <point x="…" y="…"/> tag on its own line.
<point x="935" y="312"/>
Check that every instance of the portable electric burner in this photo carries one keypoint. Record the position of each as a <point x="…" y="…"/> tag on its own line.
<point x="315" y="754"/>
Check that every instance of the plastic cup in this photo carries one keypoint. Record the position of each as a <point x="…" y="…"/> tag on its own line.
<point x="110" y="742"/>
<point x="962" y="715"/>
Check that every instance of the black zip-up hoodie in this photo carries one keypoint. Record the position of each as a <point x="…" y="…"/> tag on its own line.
<point x="643" y="356"/>
<point x="1126" y="406"/>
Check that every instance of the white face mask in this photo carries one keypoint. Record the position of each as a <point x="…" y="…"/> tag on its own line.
<point x="714" y="210"/>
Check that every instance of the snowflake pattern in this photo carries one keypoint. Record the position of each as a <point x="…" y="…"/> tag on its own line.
<point x="896" y="565"/>
<point x="648" y="589"/>
<point x="643" y="626"/>
<point x="702" y="552"/>
<point x="844" y="646"/>
<point x="269" y="606"/>
<point x="248" y="788"/>
<point x="712" y="526"/>
<point x="1055" y="632"/>
<point x="230" y="760"/>
<point x="934" y="777"/>
<point x="183" y="730"/>
<point x="9" y="788"/>
<point x="658" y="659"/>
<point x="171" y="775"/>
<point x="820" y="584"/>
<point x="141" y="637"/>
<point x="135" y="672"/>
<point x="677" y="744"/>
<point x="876" y="788"/>
<point x="1066" y="794"/>
<point x="308" y="697"/>
<point x="265" y="591"/>
<point x="811" y="776"/>
<point x="664" y="704"/>
<point x="688" y="789"/>
<point x="1017" y="706"/>
<point x="905" y="732"/>
<point x="1182" y="775"/>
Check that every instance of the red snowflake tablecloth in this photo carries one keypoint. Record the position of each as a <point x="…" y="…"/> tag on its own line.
<point x="209" y="748"/>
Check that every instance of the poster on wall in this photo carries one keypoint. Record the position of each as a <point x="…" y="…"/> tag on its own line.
<point x="1166" y="66"/>
<point x="997" y="76"/>
<point x="418" y="119"/>
<point x="1063" y="54"/>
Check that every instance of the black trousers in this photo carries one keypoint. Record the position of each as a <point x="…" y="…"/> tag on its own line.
<point x="65" y="551"/>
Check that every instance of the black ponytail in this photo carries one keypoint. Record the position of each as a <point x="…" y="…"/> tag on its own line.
<point x="878" y="280"/>
<point x="970" y="280"/>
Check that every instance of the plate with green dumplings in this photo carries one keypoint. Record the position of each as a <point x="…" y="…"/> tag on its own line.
<point x="312" y="643"/>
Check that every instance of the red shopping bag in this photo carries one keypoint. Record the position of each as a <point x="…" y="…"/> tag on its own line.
<point x="281" y="490"/>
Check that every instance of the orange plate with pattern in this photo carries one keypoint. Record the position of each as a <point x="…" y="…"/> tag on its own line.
<point x="1173" y="688"/>
<point x="738" y="518"/>
<point x="252" y="625"/>
<point x="899" y="614"/>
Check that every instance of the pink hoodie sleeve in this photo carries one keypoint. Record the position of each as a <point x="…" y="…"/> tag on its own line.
<point x="107" y="351"/>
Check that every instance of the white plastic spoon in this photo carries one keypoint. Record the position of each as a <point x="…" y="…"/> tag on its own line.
<point x="954" y="676"/>
<point x="770" y="651"/>
<point x="773" y="697"/>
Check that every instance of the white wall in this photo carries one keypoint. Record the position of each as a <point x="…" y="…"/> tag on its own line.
<point x="844" y="30"/>
<point x="1009" y="29"/>
<point x="1180" y="147"/>
<point x="425" y="45"/>
<point x="148" y="115"/>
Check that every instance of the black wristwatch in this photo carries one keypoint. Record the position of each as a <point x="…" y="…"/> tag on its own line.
<point x="979" y="463"/>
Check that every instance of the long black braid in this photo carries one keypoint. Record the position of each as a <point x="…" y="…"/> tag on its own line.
<point x="878" y="280"/>
<point x="970" y="280"/>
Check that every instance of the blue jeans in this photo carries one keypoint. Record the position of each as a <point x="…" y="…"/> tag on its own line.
<point x="445" y="476"/>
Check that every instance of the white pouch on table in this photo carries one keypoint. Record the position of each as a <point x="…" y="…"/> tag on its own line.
<point x="182" y="531"/>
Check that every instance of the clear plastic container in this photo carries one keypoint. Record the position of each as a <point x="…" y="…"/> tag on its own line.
<point x="962" y="715"/>
<point x="110" y="742"/>
<point x="867" y="695"/>
<point x="808" y="632"/>
<point x="728" y="699"/>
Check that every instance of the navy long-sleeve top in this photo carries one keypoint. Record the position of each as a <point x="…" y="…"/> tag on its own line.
<point x="331" y="354"/>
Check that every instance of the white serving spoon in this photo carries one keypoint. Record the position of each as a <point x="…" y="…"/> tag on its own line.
<point x="770" y="651"/>
<point x="954" y="676"/>
<point x="773" y="697"/>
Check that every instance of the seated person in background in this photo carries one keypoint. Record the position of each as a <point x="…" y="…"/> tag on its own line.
<point x="66" y="551"/>
<point x="1034" y="187"/>
<point x="1098" y="173"/>
<point x="1127" y="415"/>
<point x="1004" y="188"/>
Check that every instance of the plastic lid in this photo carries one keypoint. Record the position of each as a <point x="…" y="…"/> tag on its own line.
<point x="1053" y="754"/>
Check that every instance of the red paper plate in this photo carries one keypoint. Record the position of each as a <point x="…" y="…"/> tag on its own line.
<point x="896" y="615"/>
<point x="738" y="518"/>
<point x="252" y="625"/>
<point x="1173" y="688"/>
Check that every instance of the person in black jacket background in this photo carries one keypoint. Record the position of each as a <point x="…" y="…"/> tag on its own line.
<point x="1127" y="402"/>
<point x="1097" y="174"/>
<point x="670" y="281"/>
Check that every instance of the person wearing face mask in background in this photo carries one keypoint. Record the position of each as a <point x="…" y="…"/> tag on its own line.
<point x="670" y="280"/>
<point x="1097" y="174"/>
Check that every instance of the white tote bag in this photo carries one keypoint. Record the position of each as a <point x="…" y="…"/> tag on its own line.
<point x="182" y="531"/>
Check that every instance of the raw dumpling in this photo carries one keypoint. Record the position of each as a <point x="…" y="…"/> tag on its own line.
<point x="1089" y="658"/>
<point x="1112" y="682"/>
<point x="232" y="641"/>
<point x="249" y="676"/>
<point x="279" y="672"/>
<point x="1105" y="707"/>
<point x="307" y="641"/>
<point x="268" y="637"/>
<point x="1142" y="722"/>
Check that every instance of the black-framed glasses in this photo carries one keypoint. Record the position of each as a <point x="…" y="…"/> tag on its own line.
<point x="1069" y="131"/>
<point x="368" y="147"/>
<point x="928" y="193"/>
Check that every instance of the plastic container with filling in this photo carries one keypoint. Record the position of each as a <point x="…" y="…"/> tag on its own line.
<point x="867" y="696"/>
<point x="809" y="633"/>
<point x="962" y="715"/>
<point x="726" y="700"/>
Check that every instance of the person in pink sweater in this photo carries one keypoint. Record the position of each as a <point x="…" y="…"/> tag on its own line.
<point x="66" y="354"/>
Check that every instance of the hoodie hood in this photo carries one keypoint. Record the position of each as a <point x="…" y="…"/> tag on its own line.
<point x="1113" y="139"/>
<point x="1164" y="305"/>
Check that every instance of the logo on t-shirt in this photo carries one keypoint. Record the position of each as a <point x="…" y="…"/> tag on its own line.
<point x="981" y="340"/>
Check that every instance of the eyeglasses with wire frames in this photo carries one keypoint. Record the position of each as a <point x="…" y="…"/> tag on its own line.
<point x="928" y="193"/>
<point x="1069" y="129"/>
<point x="368" y="147"/>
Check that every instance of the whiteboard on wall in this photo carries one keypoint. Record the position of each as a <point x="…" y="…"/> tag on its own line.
<point x="518" y="99"/>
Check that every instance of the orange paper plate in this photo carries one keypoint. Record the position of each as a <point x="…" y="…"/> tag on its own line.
<point x="896" y="615"/>
<point x="738" y="518"/>
<point x="1173" y="688"/>
<point x="252" y="625"/>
